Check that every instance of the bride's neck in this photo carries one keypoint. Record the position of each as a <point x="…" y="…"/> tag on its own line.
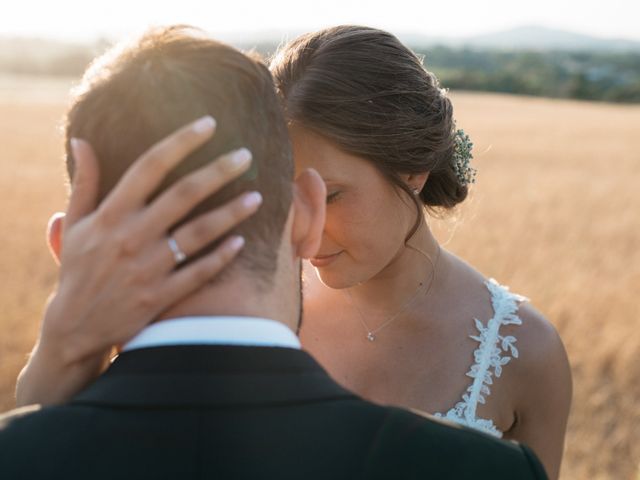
<point x="409" y="272"/>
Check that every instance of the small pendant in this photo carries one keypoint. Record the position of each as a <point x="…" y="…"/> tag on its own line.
<point x="371" y="337"/>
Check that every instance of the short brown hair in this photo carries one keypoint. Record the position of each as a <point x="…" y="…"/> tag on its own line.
<point x="140" y="92"/>
<point x="362" y="89"/>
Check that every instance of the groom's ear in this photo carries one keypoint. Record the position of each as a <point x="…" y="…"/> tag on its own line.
<point x="54" y="235"/>
<point x="309" y="206"/>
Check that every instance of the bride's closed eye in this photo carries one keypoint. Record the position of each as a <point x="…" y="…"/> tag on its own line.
<point x="333" y="196"/>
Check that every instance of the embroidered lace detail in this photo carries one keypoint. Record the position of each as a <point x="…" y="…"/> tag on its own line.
<point x="493" y="353"/>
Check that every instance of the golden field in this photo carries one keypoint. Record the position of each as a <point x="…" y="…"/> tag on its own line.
<point x="555" y="215"/>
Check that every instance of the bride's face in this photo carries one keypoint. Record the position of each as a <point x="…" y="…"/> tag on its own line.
<point x="367" y="219"/>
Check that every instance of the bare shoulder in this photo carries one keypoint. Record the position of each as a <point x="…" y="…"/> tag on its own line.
<point x="542" y="366"/>
<point x="539" y="343"/>
<point x="540" y="389"/>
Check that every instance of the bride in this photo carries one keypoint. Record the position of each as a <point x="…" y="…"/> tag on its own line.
<point x="388" y="312"/>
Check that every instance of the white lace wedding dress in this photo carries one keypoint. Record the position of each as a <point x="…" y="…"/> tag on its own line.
<point x="493" y="353"/>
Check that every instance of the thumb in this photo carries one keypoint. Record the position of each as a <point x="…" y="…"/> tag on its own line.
<point x="84" y="185"/>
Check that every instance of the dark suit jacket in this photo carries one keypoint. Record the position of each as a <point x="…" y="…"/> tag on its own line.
<point x="218" y="412"/>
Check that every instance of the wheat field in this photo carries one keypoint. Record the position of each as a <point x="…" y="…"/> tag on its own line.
<point x="555" y="215"/>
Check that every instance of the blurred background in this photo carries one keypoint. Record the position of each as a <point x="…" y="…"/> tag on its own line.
<point x="549" y="92"/>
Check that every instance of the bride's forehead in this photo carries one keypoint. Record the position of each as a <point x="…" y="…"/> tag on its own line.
<point x="338" y="167"/>
<point x="334" y="164"/>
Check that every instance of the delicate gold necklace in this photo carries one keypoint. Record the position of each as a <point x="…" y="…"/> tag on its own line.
<point x="371" y="334"/>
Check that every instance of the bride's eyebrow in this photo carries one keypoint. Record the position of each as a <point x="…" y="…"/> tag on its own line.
<point x="332" y="181"/>
<point x="331" y="184"/>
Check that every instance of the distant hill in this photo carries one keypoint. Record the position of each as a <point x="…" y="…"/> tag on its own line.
<point x="531" y="38"/>
<point x="541" y="38"/>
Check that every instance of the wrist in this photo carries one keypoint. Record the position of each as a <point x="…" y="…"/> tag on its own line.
<point x="48" y="379"/>
<point x="61" y="338"/>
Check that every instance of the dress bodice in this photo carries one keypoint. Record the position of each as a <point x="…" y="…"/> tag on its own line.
<point x="493" y="353"/>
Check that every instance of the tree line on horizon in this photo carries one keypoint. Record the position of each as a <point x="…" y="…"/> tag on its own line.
<point x="600" y="76"/>
<point x="583" y="75"/>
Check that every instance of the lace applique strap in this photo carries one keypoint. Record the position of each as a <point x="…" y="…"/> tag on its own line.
<point x="491" y="355"/>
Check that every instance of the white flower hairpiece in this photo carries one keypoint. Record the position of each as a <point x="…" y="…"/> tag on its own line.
<point x="462" y="158"/>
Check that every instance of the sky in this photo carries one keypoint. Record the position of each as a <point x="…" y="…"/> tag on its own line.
<point x="88" y="19"/>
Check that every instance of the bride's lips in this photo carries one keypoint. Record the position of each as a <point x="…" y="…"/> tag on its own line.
<point x="324" y="260"/>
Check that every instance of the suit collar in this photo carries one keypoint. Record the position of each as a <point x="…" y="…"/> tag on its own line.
<point x="211" y="376"/>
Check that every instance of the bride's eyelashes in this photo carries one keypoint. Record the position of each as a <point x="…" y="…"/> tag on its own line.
<point x="333" y="196"/>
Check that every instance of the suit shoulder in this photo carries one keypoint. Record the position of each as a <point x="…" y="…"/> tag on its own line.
<point x="20" y="423"/>
<point x="428" y="446"/>
<point x="17" y="413"/>
<point x="15" y="437"/>
<point x="47" y="433"/>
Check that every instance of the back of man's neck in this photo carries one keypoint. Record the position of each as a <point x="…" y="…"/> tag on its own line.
<point x="230" y="301"/>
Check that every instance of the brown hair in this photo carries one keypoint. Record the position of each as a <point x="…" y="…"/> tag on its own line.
<point x="138" y="93"/>
<point x="362" y="89"/>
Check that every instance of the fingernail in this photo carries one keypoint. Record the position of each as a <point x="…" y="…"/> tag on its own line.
<point x="236" y="243"/>
<point x="252" y="200"/>
<point x="238" y="159"/>
<point x="204" y="125"/>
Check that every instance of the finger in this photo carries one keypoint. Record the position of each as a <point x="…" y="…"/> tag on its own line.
<point x="146" y="173"/>
<point x="173" y="204"/>
<point x="202" y="231"/>
<point x="192" y="277"/>
<point x="84" y="185"/>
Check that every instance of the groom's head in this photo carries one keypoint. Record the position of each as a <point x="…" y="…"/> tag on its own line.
<point x="141" y="91"/>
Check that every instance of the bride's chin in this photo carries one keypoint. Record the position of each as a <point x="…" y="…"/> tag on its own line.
<point x="335" y="278"/>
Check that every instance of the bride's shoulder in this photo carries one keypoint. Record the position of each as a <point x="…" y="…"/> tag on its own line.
<point x="538" y="378"/>
<point x="542" y="372"/>
<point x="542" y="360"/>
<point x="540" y="348"/>
<point x="539" y="341"/>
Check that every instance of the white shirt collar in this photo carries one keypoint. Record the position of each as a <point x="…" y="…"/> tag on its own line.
<point x="244" y="331"/>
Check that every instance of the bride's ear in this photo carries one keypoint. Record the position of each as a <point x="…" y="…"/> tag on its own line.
<point x="54" y="235"/>
<point x="309" y="206"/>
<point x="415" y="181"/>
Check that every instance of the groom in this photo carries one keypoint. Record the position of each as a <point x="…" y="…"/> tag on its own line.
<point x="219" y="387"/>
